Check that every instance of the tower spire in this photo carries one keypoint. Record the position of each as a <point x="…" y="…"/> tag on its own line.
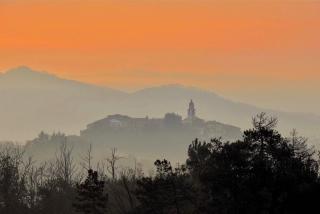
<point x="191" y="110"/>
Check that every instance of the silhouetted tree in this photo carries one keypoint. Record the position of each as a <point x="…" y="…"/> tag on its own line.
<point x="263" y="173"/>
<point x="13" y="171"/>
<point x="112" y="163"/>
<point x="59" y="185"/>
<point x="167" y="192"/>
<point x="91" y="198"/>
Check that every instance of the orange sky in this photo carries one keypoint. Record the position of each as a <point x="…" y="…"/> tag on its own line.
<point x="237" y="48"/>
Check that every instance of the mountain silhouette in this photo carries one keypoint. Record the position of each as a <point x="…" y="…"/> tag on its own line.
<point x="33" y="101"/>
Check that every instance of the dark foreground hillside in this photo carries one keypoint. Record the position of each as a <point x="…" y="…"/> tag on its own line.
<point x="263" y="172"/>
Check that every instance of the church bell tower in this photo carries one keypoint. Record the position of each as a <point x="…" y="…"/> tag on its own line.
<point x="191" y="110"/>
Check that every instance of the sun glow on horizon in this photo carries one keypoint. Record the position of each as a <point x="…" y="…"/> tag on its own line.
<point x="229" y="46"/>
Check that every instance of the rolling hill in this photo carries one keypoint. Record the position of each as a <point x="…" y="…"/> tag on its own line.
<point x="32" y="101"/>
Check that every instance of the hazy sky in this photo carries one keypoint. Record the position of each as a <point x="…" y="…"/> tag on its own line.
<point x="265" y="52"/>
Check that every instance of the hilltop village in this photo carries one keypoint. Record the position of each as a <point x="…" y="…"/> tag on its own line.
<point x="171" y="122"/>
<point x="145" y="137"/>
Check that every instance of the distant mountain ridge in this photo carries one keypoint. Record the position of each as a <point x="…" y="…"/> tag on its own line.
<point x="32" y="101"/>
<point x="25" y="77"/>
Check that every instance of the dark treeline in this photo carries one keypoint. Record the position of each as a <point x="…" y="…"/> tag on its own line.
<point x="263" y="172"/>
